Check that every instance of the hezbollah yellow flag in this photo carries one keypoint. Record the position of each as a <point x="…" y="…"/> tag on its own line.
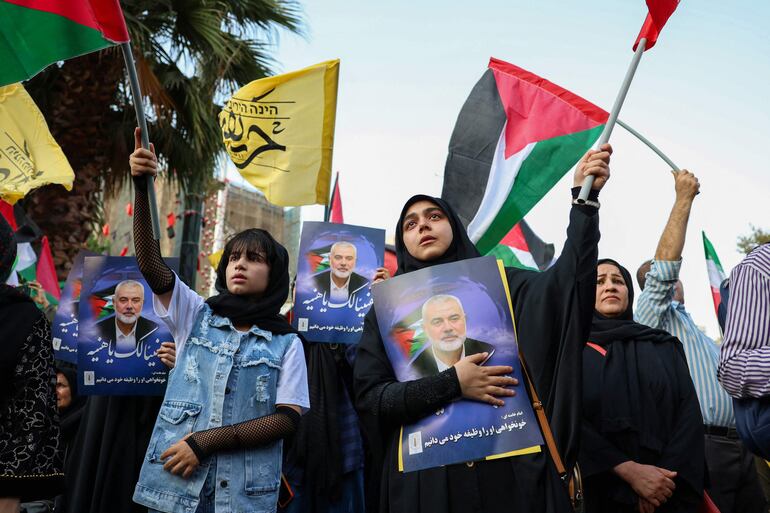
<point x="215" y="257"/>
<point x="29" y="155"/>
<point x="279" y="133"/>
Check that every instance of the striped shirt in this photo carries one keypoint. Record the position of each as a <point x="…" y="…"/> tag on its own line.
<point x="657" y="309"/>
<point x="744" y="365"/>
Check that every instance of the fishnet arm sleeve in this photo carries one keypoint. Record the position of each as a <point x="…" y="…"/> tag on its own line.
<point x="159" y="276"/>
<point x="245" y="435"/>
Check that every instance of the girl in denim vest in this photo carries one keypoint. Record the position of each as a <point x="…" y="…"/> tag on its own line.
<point x="238" y="383"/>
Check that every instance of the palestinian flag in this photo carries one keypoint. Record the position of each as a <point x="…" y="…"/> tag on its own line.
<point x="523" y="249"/>
<point x="335" y="204"/>
<point x="37" y="33"/>
<point x="318" y="259"/>
<point x="716" y="273"/>
<point x="515" y="137"/>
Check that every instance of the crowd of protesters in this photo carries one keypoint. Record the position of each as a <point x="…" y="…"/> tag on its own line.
<point x="647" y="413"/>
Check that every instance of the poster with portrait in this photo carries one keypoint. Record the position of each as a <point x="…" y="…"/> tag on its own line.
<point x="119" y="333"/>
<point x="430" y="319"/>
<point x="335" y="269"/>
<point x="64" y="329"/>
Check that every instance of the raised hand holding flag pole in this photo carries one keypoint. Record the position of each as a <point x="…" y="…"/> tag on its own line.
<point x="659" y="13"/>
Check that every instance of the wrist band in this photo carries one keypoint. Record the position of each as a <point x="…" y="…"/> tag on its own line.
<point x="588" y="203"/>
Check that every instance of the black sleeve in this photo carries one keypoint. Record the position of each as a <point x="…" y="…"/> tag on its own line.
<point x="159" y="276"/>
<point x="245" y="435"/>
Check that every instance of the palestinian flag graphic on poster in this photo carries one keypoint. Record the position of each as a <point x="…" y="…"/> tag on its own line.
<point x="515" y="137"/>
<point x="522" y="248"/>
<point x="37" y="33"/>
<point x="318" y="259"/>
<point x="716" y="273"/>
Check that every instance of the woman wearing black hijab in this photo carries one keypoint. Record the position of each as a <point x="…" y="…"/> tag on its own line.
<point x="642" y="438"/>
<point x="553" y="314"/>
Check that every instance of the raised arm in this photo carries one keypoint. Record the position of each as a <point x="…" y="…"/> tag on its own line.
<point x="144" y="166"/>
<point x="672" y="240"/>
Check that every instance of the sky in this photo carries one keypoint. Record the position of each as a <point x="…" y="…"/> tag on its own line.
<point x="699" y="95"/>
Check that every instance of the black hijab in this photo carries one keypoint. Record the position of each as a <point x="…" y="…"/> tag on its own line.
<point x="606" y="330"/>
<point x="70" y="416"/>
<point x="263" y="311"/>
<point x="460" y="248"/>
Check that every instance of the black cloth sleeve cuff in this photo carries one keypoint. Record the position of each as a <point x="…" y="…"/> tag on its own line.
<point x="195" y="448"/>
<point x="592" y="196"/>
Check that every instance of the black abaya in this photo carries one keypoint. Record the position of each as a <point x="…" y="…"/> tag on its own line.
<point x="553" y="314"/>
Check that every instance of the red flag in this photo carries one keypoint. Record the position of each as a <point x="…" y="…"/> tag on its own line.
<point x="46" y="271"/>
<point x="336" y="204"/>
<point x="659" y="13"/>
<point x="6" y="210"/>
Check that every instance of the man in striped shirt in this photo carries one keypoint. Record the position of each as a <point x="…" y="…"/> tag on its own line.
<point x="734" y="485"/>
<point x="744" y="363"/>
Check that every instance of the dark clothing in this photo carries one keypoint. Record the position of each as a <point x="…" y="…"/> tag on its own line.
<point x="639" y="404"/>
<point x="108" y="452"/>
<point x="734" y="484"/>
<point x="752" y="420"/>
<point x="553" y="314"/>
<point x="30" y="457"/>
<point x="425" y="363"/>
<point x="323" y="283"/>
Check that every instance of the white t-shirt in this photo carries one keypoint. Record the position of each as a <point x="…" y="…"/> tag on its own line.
<point x="184" y="307"/>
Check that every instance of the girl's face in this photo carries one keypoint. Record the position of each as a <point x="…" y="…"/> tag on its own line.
<point x="427" y="231"/>
<point x="63" y="392"/>
<point x="247" y="273"/>
<point x="611" y="291"/>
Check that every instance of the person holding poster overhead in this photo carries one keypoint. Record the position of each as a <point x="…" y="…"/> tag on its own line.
<point x="553" y="311"/>
<point x="239" y="383"/>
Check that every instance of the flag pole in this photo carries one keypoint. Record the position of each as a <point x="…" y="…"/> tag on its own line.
<point x="328" y="206"/>
<point x="605" y="137"/>
<point x="650" y="145"/>
<point x="136" y="92"/>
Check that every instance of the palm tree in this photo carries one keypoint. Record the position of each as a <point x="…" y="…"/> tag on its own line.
<point x="191" y="54"/>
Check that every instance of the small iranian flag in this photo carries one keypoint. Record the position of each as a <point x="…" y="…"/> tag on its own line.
<point x="716" y="273"/>
<point x="522" y="248"/>
<point x="37" y="33"/>
<point x="515" y="137"/>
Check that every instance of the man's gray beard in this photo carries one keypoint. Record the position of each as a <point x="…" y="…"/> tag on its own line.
<point x="127" y="319"/>
<point x="449" y="347"/>
<point x="344" y="275"/>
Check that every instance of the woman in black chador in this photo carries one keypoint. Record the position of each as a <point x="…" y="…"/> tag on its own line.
<point x="642" y="444"/>
<point x="553" y="316"/>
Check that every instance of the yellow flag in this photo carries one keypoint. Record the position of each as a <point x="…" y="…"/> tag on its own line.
<point x="29" y="155"/>
<point x="279" y="133"/>
<point x="215" y="257"/>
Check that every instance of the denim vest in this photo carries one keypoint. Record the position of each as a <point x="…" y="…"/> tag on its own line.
<point x="222" y="377"/>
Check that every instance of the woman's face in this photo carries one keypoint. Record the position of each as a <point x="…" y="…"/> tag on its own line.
<point x="427" y="231"/>
<point x="611" y="291"/>
<point x="247" y="273"/>
<point x="63" y="392"/>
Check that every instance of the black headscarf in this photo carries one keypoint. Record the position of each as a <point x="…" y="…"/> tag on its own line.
<point x="460" y="248"/>
<point x="71" y="415"/>
<point x="263" y="311"/>
<point x="605" y="330"/>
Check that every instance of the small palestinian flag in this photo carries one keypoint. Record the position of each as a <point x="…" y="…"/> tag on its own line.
<point x="408" y="334"/>
<point x="318" y="259"/>
<point x="523" y="249"/>
<point x="515" y="137"/>
<point x="37" y="33"/>
<point x="716" y="273"/>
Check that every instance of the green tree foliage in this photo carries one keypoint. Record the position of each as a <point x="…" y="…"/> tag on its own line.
<point x="748" y="242"/>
